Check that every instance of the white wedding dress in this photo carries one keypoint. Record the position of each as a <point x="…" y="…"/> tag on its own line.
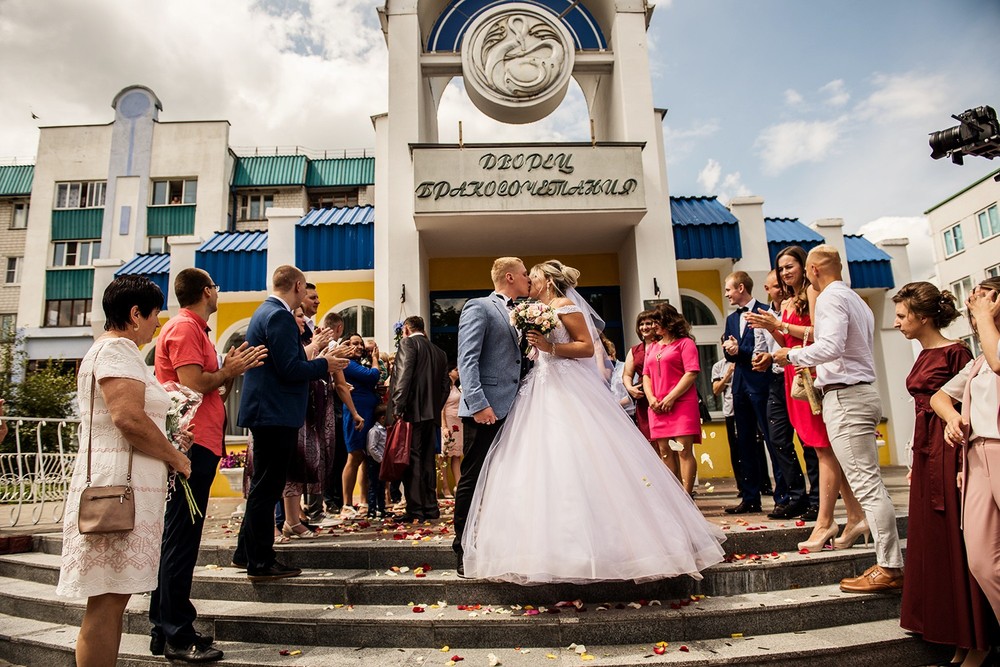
<point x="572" y="492"/>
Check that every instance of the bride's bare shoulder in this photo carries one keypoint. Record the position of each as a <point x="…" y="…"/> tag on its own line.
<point x="560" y="302"/>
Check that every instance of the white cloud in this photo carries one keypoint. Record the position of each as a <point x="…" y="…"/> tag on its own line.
<point x="915" y="228"/>
<point x="836" y="92"/>
<point x="906" y="97"/>
<point x="793" y="97"/>
<point x="786" y="144"/>
<point x="732" y="186"/>
<point x="709" y="176"/>
<point x="679" y="143"/>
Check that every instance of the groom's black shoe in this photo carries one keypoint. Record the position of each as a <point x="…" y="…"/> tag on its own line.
<point x="744" y="508"/>
<point x="460" y="565"/>
<point x="789" y="511"/>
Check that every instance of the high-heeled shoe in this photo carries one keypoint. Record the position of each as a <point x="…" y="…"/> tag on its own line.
<point x="851" y="535"/>
<point x="290" y="532"/>
<point x="820" y="542"/>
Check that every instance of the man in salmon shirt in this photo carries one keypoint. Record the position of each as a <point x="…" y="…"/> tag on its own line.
<point x="186" y="355"/>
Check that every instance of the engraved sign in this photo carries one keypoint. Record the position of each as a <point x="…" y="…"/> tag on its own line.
<point x="527" y="178"/>
<point x="517" y="60"/>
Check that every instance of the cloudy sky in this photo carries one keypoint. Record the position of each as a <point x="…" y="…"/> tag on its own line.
<point x="821" y="107"/>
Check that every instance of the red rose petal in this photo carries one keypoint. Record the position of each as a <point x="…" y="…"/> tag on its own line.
<point x="659" y="650"/>
<point x="683" y="648"/>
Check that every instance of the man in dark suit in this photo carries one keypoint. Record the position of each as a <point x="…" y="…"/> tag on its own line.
<point x="419" y="392"/>
<point x="741" y="343"/>
<point x="273" y="407"/>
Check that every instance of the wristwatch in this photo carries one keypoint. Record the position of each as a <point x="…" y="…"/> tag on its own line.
<point x="783" y="329"/>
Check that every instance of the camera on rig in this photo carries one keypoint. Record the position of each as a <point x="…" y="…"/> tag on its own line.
<point x="978" y="134"/>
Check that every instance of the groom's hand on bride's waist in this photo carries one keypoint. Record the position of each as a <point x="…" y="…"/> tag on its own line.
<point x="485" y="416"/>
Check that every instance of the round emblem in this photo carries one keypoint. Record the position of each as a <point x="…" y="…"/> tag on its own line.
<point x="134" y="104"/>
<point x="517" y="60"/>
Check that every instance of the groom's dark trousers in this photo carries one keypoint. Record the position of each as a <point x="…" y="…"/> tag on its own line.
<point x="472" y="465"/>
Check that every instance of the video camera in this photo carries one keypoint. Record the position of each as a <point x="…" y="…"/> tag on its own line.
<point x="978" y="134"/>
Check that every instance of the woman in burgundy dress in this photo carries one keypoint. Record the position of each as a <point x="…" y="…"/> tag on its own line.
<point x="941" y="599"/>
<point x="645" y="329"/>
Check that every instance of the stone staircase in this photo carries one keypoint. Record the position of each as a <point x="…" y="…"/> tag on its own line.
<point x="361" y="600"/>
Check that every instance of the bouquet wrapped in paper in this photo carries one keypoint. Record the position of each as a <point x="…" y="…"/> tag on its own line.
<point x="533" y="316"/>
<point x="184" y="403"/>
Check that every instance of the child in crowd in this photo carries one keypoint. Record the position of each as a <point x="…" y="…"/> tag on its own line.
<point x="373" y="459"/>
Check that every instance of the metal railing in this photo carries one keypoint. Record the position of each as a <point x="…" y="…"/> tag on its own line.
<point x="35" y="478"/>
<point x="311" y="153"/>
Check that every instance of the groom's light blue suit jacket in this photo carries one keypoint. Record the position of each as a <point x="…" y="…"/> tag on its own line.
<point x="489" y="359"/>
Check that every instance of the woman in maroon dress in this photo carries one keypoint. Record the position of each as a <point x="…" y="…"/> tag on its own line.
<point x="645" y="329"/>
<point x="941" y="599"/>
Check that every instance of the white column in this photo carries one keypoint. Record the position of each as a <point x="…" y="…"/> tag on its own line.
<point x="753" y="240"/>
<point x="182" y="249"/>
<point x="894" y="355"/>
<point x="832" y="229"/>
<point x="280" y="238"/>
<point x="104" y="273"/>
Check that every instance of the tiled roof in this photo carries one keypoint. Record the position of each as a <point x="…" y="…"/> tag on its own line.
<point x="270" y="170"/>
<point x="16" y="179"/>
<point x="700" y="211"/>
<point x="235" y="241"/>
<point x="146" y="265"/>
<point x="348" y="215"/>
<point x="790" y="232"/>
<point x="860" y="249"/>
<point x="341" y="172"/>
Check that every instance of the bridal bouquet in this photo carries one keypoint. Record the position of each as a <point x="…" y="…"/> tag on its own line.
<point x="533" y="316"/>
<point x="184" y="403"/>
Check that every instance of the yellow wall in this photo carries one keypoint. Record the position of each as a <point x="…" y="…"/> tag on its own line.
<point x="707" y="283"/>
<point x="473" y="273"/>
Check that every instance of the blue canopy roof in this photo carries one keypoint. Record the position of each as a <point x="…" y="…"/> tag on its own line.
<point x="704" y="229"/>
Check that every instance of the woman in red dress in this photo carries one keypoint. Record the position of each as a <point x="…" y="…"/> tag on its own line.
<point x="645" y="329"/>
<point x="794" y="330"/>
<point x="941" y="599"/>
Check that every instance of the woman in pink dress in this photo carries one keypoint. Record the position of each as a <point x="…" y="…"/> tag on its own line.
<point x="795" y="330"/>
<point x="645" y="329"/>
<point x="452" y="435"/>
<point x="669" y="373"/>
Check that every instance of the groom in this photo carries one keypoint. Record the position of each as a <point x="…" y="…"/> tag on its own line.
<point x="489" y="365"/>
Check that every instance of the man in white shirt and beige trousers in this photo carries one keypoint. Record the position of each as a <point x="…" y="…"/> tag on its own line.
<point x="843" y="355"/>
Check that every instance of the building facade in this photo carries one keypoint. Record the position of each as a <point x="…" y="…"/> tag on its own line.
<point x="414" y="229"/>
<point x="966" y="232"/>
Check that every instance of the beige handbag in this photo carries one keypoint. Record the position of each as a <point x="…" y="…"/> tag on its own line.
<point x="105" y="509"/>
<point x="803" y="389"/>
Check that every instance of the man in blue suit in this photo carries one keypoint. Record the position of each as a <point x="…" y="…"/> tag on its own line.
<point x="273" y="407"/>
<point x="489" y="365"/>
<point x="741" y="343"/>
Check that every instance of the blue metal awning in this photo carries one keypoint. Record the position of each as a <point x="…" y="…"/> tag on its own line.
<point x="704" y="229"/>
<point x="870" y="266"/>
<point x="784" y="232"/>
<point x="336" y="239"/>
<point x="236" y="260"/>
<point x="155" y="267"/>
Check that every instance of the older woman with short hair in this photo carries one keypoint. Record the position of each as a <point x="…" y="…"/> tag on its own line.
<point x="128" y="414"/>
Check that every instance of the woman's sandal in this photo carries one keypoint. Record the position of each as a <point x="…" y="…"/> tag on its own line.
<point x="290" y="533"/>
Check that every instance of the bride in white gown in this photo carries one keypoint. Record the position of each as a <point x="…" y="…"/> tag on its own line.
<point x="571" y="491"/>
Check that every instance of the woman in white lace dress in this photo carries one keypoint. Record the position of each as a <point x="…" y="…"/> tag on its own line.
<point x="571" y="490"/>
<point x="130" y="409"/>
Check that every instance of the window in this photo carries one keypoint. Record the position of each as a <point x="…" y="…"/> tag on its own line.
<point x="253" y="207"/>
<point x="20" y="219"/>
<point x="989" y="223"/>
<point x="157" y="245"/>
<point x="993" y="271"/>
<point x="696" y="313"/>
<point x="86" y="194"/>
<point x="953" y="242"/>
<point x="333" y="199"/>
<point x="13" y="275"/>
<point x="707" y="356"/>
<point x="8" y="327"/>
<point x="358" y="319"/>
<point x="177" y="191"/>
<point x="75" y="253"/>
<point x="961" y="289"/>
<point x="67" y="313"/>
<point x="972" y="343"/>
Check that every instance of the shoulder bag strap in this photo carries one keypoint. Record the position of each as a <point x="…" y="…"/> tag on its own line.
<point x="90" y="431"/>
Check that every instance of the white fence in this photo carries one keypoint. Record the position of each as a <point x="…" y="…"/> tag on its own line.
<point x="31" y="478"/>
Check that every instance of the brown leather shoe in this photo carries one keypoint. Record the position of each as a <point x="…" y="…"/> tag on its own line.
<point x="874" y="580"/>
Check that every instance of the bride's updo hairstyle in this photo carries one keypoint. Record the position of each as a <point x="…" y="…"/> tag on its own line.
<point x="923" y="299"/>
<point x="562" y="277"/>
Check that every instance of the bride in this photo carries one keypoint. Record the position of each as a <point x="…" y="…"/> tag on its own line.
<point x="570" y="490"/>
